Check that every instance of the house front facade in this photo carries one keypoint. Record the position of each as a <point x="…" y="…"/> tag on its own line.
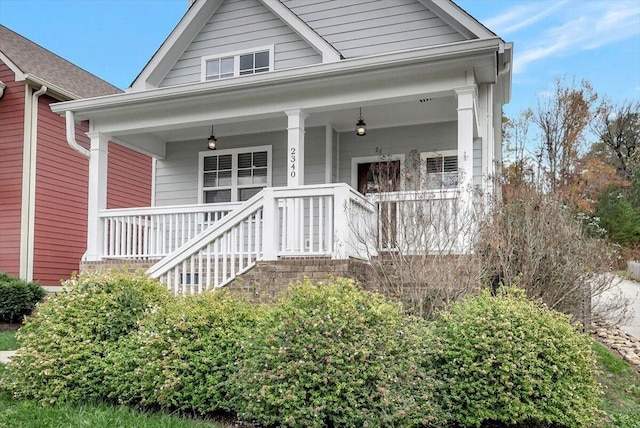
<point x="43" y="181"/>
<point x="279" y="87"/>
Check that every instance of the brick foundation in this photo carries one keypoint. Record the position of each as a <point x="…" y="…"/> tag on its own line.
<point x="130" y="265"/>
<point x="269" y="279"/>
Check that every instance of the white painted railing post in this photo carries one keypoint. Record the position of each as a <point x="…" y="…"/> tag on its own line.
<point x="97" y="199"/>
<point x="342" y="235"/>
<point x="269" y="225"/>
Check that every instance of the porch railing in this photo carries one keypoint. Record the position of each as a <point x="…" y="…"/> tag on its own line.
<point x="278" y="222"/>
<point x="154" y="232"/>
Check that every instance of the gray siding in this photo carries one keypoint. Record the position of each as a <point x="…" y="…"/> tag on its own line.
<point x="477" y="162"/>
<point x="177" y="174"/>
<point x="363" y="27"/>
<point x="391" y="141"/>
<point x="239" y="25"/>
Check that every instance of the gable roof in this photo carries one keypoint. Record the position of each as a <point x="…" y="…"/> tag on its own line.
<point x="32" y="62"/>
<point x="323" y="30"/>
<point x="194" y="20"/>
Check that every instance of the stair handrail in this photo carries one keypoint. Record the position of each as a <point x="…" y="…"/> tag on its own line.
<point x="205" y="237"/>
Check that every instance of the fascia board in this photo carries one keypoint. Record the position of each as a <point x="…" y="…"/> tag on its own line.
<point x="350" y="66"/>
<point x="52" y="89"/>
<point x="328" y="52"/>
<point x="175" y="44"/>
<point x="458" y="18"/>
<point x="18" y="74"/>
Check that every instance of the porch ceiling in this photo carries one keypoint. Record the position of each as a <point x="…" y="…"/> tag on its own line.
<point x="417" y="111"/>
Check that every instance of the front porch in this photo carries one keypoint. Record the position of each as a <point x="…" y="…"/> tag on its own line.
<point x="198" y="247"/>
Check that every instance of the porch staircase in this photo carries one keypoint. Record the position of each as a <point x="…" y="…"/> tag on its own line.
<point x="218" y="254"/>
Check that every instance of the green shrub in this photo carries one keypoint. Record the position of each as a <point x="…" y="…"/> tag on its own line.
<point x="182" y="355"/>
<point x="18" y="298"/>
<point x="508" y="360"/>
<point x="333" y="355"/>
<point x="64" y="342"/>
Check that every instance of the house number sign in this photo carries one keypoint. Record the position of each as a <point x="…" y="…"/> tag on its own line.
<point x="293" y="162"/>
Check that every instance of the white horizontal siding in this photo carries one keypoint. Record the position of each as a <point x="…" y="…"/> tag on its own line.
<point x="477" y="162"/>
<point x="239" y="25"/>
<point x="361" y="27"/>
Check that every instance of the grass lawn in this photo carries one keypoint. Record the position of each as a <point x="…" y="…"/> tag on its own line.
<point x="621" y="384"/>
<point x="7" y="340"/>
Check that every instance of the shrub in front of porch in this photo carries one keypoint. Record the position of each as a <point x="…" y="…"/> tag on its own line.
<point x="65" y="341"/>
<point x="507" y="361"/>
<point x="18" y="298"/>
<point x="333" y="355"/>
<point x="182" y="356"/>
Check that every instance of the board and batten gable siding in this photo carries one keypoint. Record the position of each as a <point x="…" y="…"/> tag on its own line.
<point x="395" y="141"/>
<point x="363" y="27"/>
<point x="61" y="199"/>
<point x="238" y="25"/>
<point x="11" y="148"/>
<point x="177" y="174"/>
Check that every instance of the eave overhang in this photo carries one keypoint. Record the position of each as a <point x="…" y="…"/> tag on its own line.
<point x="450" y="55"/>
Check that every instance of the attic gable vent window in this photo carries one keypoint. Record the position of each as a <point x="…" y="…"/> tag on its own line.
<point x="237" y="64"/>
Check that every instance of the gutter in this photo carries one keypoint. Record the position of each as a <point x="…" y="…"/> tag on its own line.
<point x="27" y="220"/>
<point x="71" y="135"/>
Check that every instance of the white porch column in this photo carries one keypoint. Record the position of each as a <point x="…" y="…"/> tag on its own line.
<point x="97" y="195"/>
<point x="466" y="126"/>
<point x="295" y="147"/>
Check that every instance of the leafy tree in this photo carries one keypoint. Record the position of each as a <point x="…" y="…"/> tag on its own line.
<point x="562" y="117"/>
<point x="618" y="128"/>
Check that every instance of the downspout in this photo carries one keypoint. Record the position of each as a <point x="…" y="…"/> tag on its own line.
<point x="71" y="136"/>
<point x="2" y="87"/>
<point x="29" y="188"/>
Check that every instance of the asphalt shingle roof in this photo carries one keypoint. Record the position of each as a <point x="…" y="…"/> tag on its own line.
<point x="34" y="59"/>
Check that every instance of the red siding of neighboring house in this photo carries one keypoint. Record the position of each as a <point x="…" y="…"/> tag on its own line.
<point x="11" y="147"/>
<point x="61" y="199"/>
<point x="61" y="195"/>
<point x="129" y="181"/>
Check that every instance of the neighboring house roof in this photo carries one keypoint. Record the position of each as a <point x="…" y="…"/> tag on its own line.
<point x="37" y="63"/>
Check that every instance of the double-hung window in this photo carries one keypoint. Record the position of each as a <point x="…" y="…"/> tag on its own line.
<point x="235" y="64"/>
<point x="234" y="175"/>
<point x="441" y="169"/>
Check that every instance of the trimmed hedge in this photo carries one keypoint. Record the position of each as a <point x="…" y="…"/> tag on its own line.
<point x="334" y="355"/>
<point x="18" y="298"/>
<point x="507" y="359"/>
<point x="182" y="356"/>
<point x="65" y="341"/>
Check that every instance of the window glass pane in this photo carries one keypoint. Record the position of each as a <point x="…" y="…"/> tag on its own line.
<point x="246" y="62"/>
<point x="210" y="179"/>
<point x="217" y="196"/>
<point x="225" y="162"/>
<point x="211" y="163"/>
<point x="213" y="69"/>
<point x="260" y="176"/>
<point x="245" y="194"/>
<point x="226" y="67"/>
<point x="244" y="177"/>
<point x="224" y="178"/>
<point x="244" y="160"/>
<point x="450" y="163"/>
<point x="262" y="61"/>
<point x="260" y="159"/>
<point x="434" y="165"/>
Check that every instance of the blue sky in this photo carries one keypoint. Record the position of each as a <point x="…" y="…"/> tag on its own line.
<point x="596" y="40"/>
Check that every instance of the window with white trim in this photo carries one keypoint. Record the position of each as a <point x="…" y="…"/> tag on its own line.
<point x="234" y="175"/>
<point x="235" y="64"/>
<point x="440" y="169"/>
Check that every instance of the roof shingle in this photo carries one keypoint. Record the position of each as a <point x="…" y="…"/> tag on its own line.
<point x="34" y="59"/>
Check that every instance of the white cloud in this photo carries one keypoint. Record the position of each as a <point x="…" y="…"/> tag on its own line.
<point x="571" y="26"/>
